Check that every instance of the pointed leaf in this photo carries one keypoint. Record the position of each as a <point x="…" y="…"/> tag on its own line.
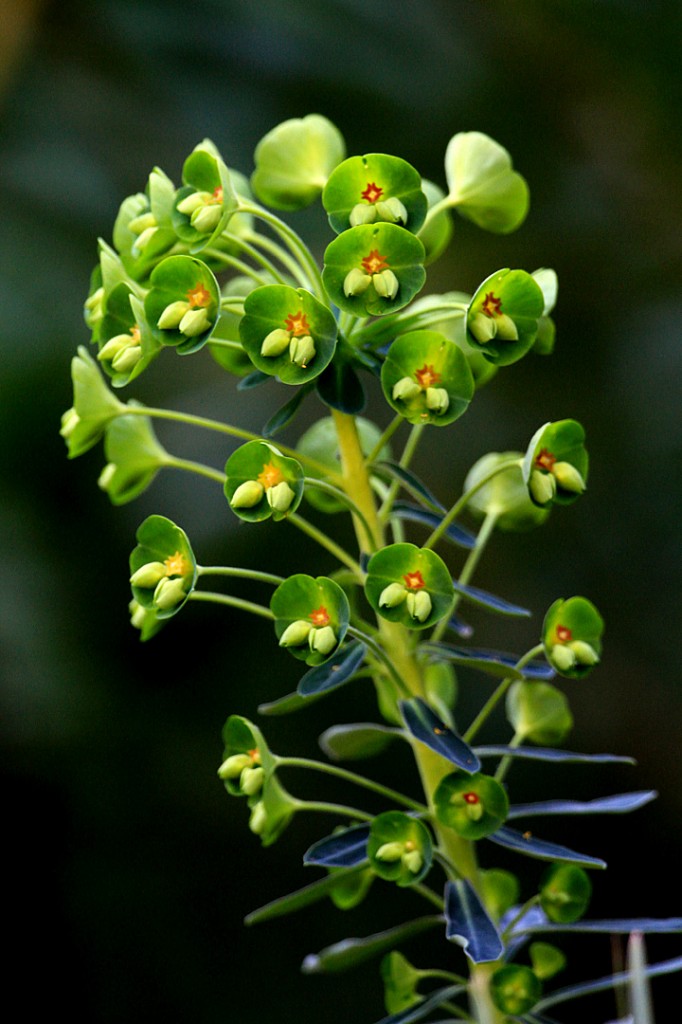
<point x="298" y="900"/>
<point x="468" y="923"/>
<point x="496" y="604"/>
<point x="427" y="727"/>
<point x="284" y="415"/>
<point x="604" y="984"/>
<point x="351" y="952"/>
<point x="288" y="704"/>
<point x="424" y="1006"/>
<point x="550" y="754"/>
<point x="493" y="663"/>
<point x="618" y="804"/>
<point x="413" y="484"/>
<point x="524" y="842"/>
<point x="333" y="673"/>
<point x="416" y="514"/>
<point x="617" y="926"/>
<point x="253" y="380"/>
<point x="344" y="849"/>
<point x="357" y="740"/>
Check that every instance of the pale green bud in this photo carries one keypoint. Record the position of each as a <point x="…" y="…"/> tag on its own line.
<point x="70" y="420"/>
<point x="506" y="328"/>
<point x="234" y="766"/>
<point x="106" y="476"/>
<point x="390" y="851"/>
<point x="363" y="213"/>
<point x="568" y="477"/>
<point x="194" y="201"/>
<point x="392" y="595"/>
<point x="275" y="342"/>
<point x="474" y="811"/>
<point x="194" y="322"/>
<point x="542" y="486"/>
<point x="386" y="284"/>
<point x="251" y="781"/>
<point x="258" y="819"/>
<point x="356" y="282"/>
<point x="144" y="239"/>
<point x="295" y="634"/>
<point x="113" y="346"/>
<point x="280" y="496"/>
<point x="169" y="592"/>
<point x="392" y="210"/>
<point x="141" y="223"/>
<point x="302" y="350"/>
<point x="437" y="400"/>
<point x="148" y="575"/>
<point x="206" y="219"/>
<point x="482" y="327"/>
<point x="322" y="640"/>
<point x="584" y="652"/>
<point x="419" y="605"/>
<point x="413" y="861"/>
<point x="563" y="657"/>
<point x="137" y="614"/>
<point x="405" y="389"/>
<point x="126" y="359"/>
<point x="247" y="494"/>
<point x="94" y="307"/>
<point x="172" y="315"/>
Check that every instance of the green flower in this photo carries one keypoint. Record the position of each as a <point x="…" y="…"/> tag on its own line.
<point x="143" y="232"/>
<point x="502" y="320"/>
<point x="571" y="635"/>
<point x="556" y="462"/>
<point x="399" y="848"/>
<point x="294" y="160"/>
<point x="311" y="617"/>
<point x="373" y="188"/>
<point x="183" y="303"/>
<point x="134" y="458"/>
<point x="409" y="585"/>
<point x="163" y="568"/>
<point x="261" y="482"/>
<point x="483" y="186"/>
<point x="515" y="989"/>
<point x="93" y="409"/>
<point x="126" y="343"/>
<point x="426" y="378"/>
<point x="473" y="805"/>
<point x="505" y="495"/>
<point x="565" y="893"/>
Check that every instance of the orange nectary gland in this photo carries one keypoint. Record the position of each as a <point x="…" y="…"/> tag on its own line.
<point x="492" y="306"/>
<point x="199" y="297"/>
<point x="544" y="459"/>
<point x="427" y="376"/>
<point x="320" y="616"/>
<point x="297" y="324"/>
<point x="374" y="263"/>
<point x="372" y="192"/>
<point x="176" y="564"/>
<point x="471" y="798"/>
<point x="414" y="580"/>
<point x="563" y="635"/>
<point x="270" y="476"/>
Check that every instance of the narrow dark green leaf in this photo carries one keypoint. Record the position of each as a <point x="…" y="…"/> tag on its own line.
<point x="550" y="754"/>
<point x="413" y="484"/>
<point x="345" y="849"/>
<point x="490" y="662"/>
<point x="288" y="704"/>
<point x="424" y="1006"/>
<point x="351" y="952"/>
<point x="618" y="804"/>
<point x="427" y="727"/>
<point x="294" y="901"/>
<point x="616" y="926"/>
<point x="357" y="740"/>
<point x="253" y="380"/>
<point x="416" y="514"/>
<point x="495" y="604"/>
<point x="284" y="415"/>
<point x="340" y="388"/>
<point x="531" y="846"/>
<point x="587" y="988"/>
<point x="468" y="923"/>
<point x="338" y="670"/>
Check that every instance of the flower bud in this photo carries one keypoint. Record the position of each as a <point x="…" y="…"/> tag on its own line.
<point x="405" y="389"/>
<point x="70" y="420"/>
<point x="295" y="634"/>
<point x="585" y="653"/>
<point x="392" y="210"/>
<point x="137" y="614"/>
<point x="506" y="328"/>
<point x="106" y="476"/>
<point x="207" y="218"/>
<point x="302" y="350"/>
<point x="413" y="861"/>
<point x="194" y="322"/>
<point x="194" y="201"/>
<point x="247" y="494"/>
<point x="482" y="327"/>
<point x="386" y="284"/>
<point x="233" y="767"/>
<point x="392" y="595"/>
<point x="363" y="213"/>
<point x="568" y="477"/>
<point x="419" y="605"/>
<point x="275" y="342"/>
<point x="258" y="819"/>
<point x="251" y="780"/>
<point x="355" y="282"/>
<point x="563" y="657"/>
<point x="148" y="575"/>
<point x="143" y="240"/>
<point x="437" y="400"/>
<point x="118" y="343"/>
<point x="542" y="486"/>
<point x="280" y="496"/>
<point x="322" y="640"/>
<point x="168" y="593"/>
<point x="142" y="223"/>
<point x="172" y="315"/>
<point x="390" y="851"/>
<point x="126" y="359"/>
<point x="474" y="811"/>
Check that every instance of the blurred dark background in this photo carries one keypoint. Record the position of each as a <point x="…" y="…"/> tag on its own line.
<point x="128" y="869"/>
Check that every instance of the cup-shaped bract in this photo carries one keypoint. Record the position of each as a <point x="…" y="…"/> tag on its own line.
<point x="134" y="457"/>
<point x="208" y="199"/>
<point x="546" y="959"/>
<point x="409" y="585"/>
<point x="262" y="483"/>
<point x="556" y="463"/>
<point x="565" y="893"/>
<point x="500" y="890"/>
<point x="163" y="569"/>
<point x="311" y="617"/>
<point x="473" y="805"/>
<point x="539" y="712"/>
<point x="399" y="848"/>
<point x="143" y="230"/>
<point x="427" y="378"/>
<point x="515" y="989"/>
<point x="435" y="235"/>
<point x="183" y="303"/>
<point x="483" y="186"/>
<point x="400" y="982"/>
<point x="294" y="160"/>
<point x="287" y="333"/>
<point x="94" y="406"/>
<point x="126" y="343"/>
<point x="452" y="306"/>
<point x="244" y="751"/>
<point x="504" y="495"/>
<point x="502" y="319"/>
<point x="571" y="635"/>
<point x="374" y="269"/>
<point x="549" y="285"/>
<point x="374" y="188"/>
<point x="321" y="442"/>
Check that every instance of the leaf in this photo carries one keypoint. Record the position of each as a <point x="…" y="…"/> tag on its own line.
<point x="340" y="388"/>
<point x="350" y="952"/>
<point x="618" y="804"/>
<point x="416" y="514"/>
<point x="253" y="380"/>
<point x="412" y="483"/>
<point x="460" y="627"/>
<point x="357" y="740"/>
<point x="550" y="754"/>
<point x="611" y="981"/>
<point x="426" y="727"/>
<point x="493" y="663"/>
<point x="288" y="704"/>
<point x="294" y="901"/>
<point x="284" y="415"/>
<point x="338" y="670"/>
<point x="540" y="848"/>
<point x="344" y="849"/>
<point x="496" y="604"/>
<point x="617" y="926"/>
<point x="424" y="1006"/>
<point x="468" y="923"/>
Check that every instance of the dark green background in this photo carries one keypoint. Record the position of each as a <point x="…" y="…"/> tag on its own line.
<point x="129" y="870"/>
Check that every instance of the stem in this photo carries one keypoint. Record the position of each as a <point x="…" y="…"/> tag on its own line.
<point x="506" y="762"/>
<point x="326" y="542"/>
<point x="195" y="467"/>
<point x="405" y="459"/>
<point x="439" y="903"/>
<point x="442" y="204"/>
<point x="468" y="569"/>
<point x="249" y="574"/>
<point x="269" y="245"/>
<point x="356" y="482"/>
<point x="359" y="780"/>
<point x="257" y="257"/>
<point x="295" y="244"/>
<point x="384" y="439"/>
<point x="233" y="602"/>
<point x="498" y="694"/>
<point x="340" y="495"/>
<point x="462" y="502"/>
<point x="236" y="264"/>
<point x="338" y="809"/>
<point x="382" y="656"/>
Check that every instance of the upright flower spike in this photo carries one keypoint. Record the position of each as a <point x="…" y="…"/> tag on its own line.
<point x="374" y="269"/>
<point x="399" y="848"/>
<point x="203" y="207"/>
<point x="375" y="187"/>
<point x="505" y="495"/>
<point x="571" y="635"/>
<point x="162" y="566"/>
<point x="409" y="585"/>
<point x="287" y="333"/>
<point x="262" y="483"/>
<point x="183" y="303"/>
<point x="483" y="187"/>
<point x="502" y="320"/>
<point x="311" y="617"/>
<point x="294" y="160"/>
<point x="134" y="457"/>
<point x="126" y="343"/>
<point x="556" y="463"/>
<point x="321" y="442"/>
<point x="473" y="805"/>
<point x="427" y="379"/>
<point x="143" y="232"/>
<point x="94" y="406"/>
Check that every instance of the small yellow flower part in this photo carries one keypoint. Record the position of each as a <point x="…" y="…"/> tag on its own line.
<point x="177" y="565"/>
<point x="374" y="262"/>
<point x="320" y="616"/>
<point x="199" y="297"/>
<point x="492" y="306"/>
<point x="414" y="580"/>
<point x="270" y="476"/>
<point x="427" y="376"/>
<point x="419" y="605"/>
<point x="322" y="640"/>
<point x="247" y="494"/>
<point x="372" y="193"/>
<point x="297" y="324"/>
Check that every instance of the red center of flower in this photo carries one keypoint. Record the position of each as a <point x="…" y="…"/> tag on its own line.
<point x="297" y="323"/>
<point x="492" y="306"/>
<point x="427" y="376"/>
<point x="135" y="332"/>
<point x="563" y="634"/>
<point x="414" y="580"/>
<point x="471" y="798"/>
<point x="254" y="755"/>
<point x="320" y="616"/>
<point x="199" y="297"/>
<point x="270" y="476"/>
<point x="176" y="564"/>
<point x="374" y="263"/>
<point x="545" y="459"/>
<point x="217" y="196"/>
<point x="373" y="192"/>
